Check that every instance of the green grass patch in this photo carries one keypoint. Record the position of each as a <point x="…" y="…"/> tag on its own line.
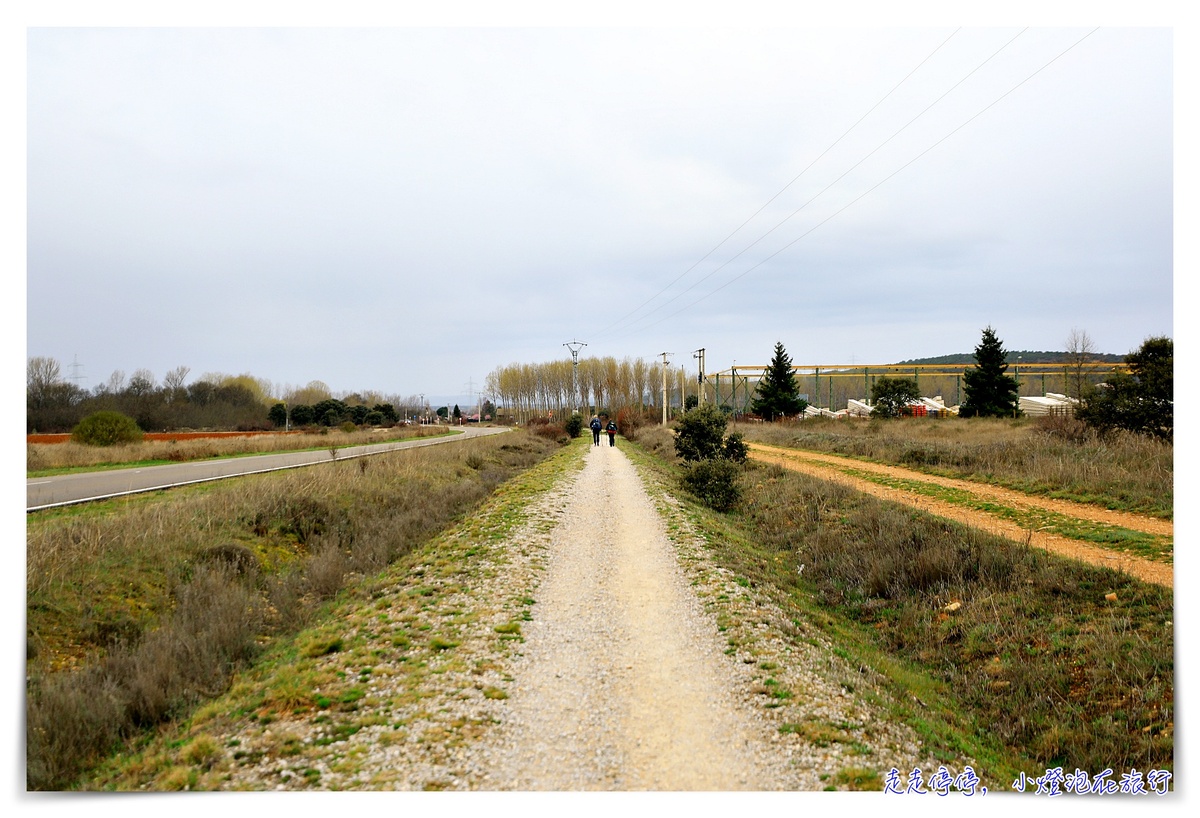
<point x="1116" y="538"/>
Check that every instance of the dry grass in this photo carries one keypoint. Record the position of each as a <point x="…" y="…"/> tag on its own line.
<point x="1033" y="649"/>
<point x="1035" y="660"/>
<point x="44" y="457"/>
<point x="137" y="609"/>
<point x="1120" y="471"/>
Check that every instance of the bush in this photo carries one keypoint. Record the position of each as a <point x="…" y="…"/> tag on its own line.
<point x="714" y="483"/>
<point x="735" y="448"/>
<point x="1064" y="427"/>
<point x="574" y="425"/>
<point x="629" y="420"/>
<point x="106" y="429"/>
<point x="892" y="395"/>
<point x="700" y="433"/>
<point x="73" y="719"/>
<point x="550" y="431"/>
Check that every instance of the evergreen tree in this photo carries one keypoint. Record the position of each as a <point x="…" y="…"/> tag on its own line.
<point x="777" y="394"/>
<point x="1142" y="401"/>
<point x="990" y="392"/>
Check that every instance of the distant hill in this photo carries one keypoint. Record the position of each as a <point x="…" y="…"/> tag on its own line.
<point x="1027" y="357"/>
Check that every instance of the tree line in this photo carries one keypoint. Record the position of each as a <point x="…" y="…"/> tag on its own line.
<point x="534" y="390"/>
<point x="212" y="401"/>
<point x="1140" y="401"/>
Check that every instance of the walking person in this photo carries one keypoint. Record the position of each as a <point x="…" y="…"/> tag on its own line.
<point x="612" y="432"/>
<point x="596" y="426"/>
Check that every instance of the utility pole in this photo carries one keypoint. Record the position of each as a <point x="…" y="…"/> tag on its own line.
<point x="75" y="367"/>
<point x="575" y="346"/>
<point x="664" y="386"/>
<point x="470" y="392"/>
<point x="699" y="355"/>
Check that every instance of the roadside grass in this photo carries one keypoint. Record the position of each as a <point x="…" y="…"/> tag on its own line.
<point x="137" y="612"/>
<point x="340" y="675"/>
<point x="987" y="648"/>
<point x="1150" y="546"/>
<point x="1124" y="472"/>
<point x="49" y="459"/>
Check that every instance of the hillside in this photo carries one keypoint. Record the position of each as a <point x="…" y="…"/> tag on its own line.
<point x="1026" y="356"/>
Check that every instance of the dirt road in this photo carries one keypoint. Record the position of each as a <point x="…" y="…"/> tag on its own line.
<point x="622" y="686"/>
<point x="627" y="682"/>
<point x="824" y="466"/>
<point x="594" y="646"/>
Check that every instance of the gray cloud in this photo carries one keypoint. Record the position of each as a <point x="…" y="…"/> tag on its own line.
<point x="406" y="209"/>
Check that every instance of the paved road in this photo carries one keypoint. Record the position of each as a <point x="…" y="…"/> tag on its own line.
<point x="48" y="492"/>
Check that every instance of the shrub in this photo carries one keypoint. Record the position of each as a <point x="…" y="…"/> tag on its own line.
<point x="1064" y="427"/>
<point x="106" y="429"/>
<point x="700" y="433"/>
<point x="574" y="425"/>
<point x="714" y="483"/>
<point x="735" y="448"/>
<point x="72" y="719"/>
<point x="629" y="421"/>
<point x="551" y="431"/>
<point x="892" y="395"/>
<point x="325" y="570"/>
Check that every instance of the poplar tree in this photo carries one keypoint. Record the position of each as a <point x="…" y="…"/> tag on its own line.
<point x="990" y="391"/>
<point x="777" y="394"/>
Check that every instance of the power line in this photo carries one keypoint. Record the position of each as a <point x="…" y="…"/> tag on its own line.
<point x="796" y="178"/>
<point x="881" y="182"/>
<point x="845" y="173"/>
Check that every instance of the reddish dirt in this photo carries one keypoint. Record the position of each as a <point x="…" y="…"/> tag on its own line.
<point x="63" y="438"/>
<point x="819" y="465"/>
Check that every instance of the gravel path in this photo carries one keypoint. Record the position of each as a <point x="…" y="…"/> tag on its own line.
<point x="626" y="683"/>
<point x="596" y="646"/>
<point x="623" y="684"/>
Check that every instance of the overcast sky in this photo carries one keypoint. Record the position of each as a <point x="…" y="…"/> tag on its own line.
<point x="406" y="209"/>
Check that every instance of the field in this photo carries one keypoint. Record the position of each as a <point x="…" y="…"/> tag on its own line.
<point x="1044" y="661"/>
<point x="1052" y="457"/>
<point x="44" y="457"/>
<point x="142" y="610"/>
<point x="138" y="609"/>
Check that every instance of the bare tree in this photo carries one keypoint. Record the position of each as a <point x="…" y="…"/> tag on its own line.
<point x="115" y="383"/>
<point x="1080" y="354"/>
<point x="40" y="374"/>
<point x="142" y="382"/>
<point x="173" y="382"/>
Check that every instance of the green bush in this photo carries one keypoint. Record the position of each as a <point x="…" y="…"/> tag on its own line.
<point x="714" y="483"/>
<point x="574" y="425"/>
<point x="700" y="433"/>
<point x="735" y="448"/>
<point x="106" y="429"/>
<point x="891" y="395"/>
<point x="1142" y="401"/>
